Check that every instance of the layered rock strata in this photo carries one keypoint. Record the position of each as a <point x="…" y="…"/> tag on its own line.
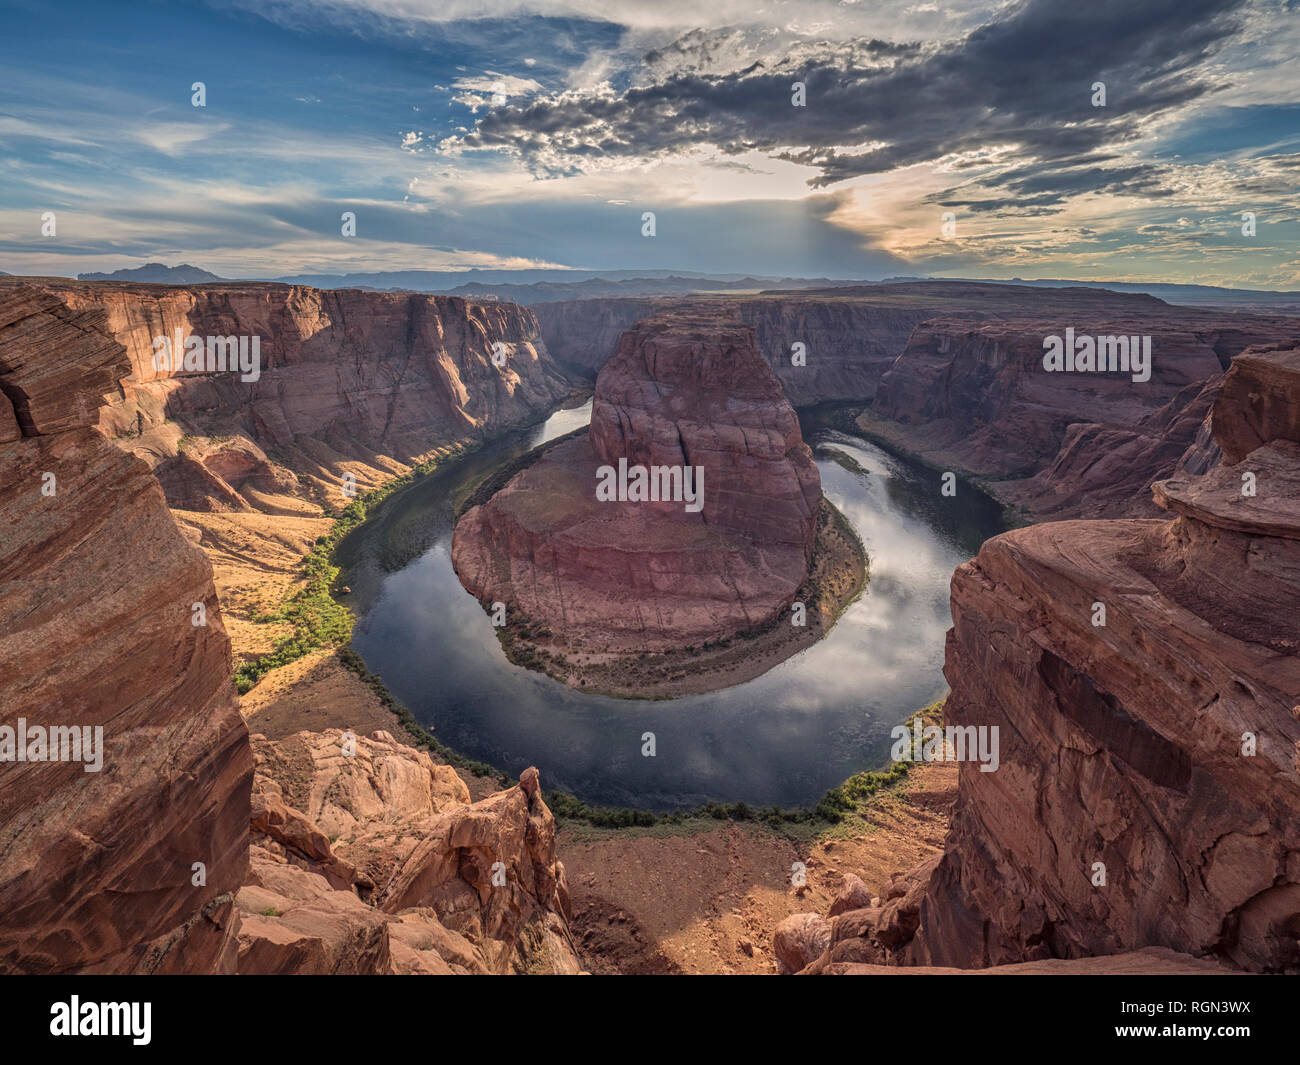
<point x="848" y="343"/>
<point x="852" y="337"/>
<point x="109" y="629"/>
<point x="350" y="390"/>
<point x="109" y="620"/>
<point x="1147" y="793"/>
<point x="682" y="391"/>
<point x="377" y="380"/>
<point x="953" y="373"/>
<point x="975" y="396"/>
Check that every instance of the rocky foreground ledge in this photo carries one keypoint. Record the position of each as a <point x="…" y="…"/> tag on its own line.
<point x="375" y="861"/>
<point x="1148" y="793"/>
<point x="591" y="582"/>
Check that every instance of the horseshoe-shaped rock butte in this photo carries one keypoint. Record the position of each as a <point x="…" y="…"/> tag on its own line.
<point x="686" y="522"/>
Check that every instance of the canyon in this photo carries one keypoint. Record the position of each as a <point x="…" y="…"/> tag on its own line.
<point x="1148" y="792"/>
<point x="147" y="866"/>
<point x="354" y="390"/>
<point x="951" y="372"/>
<point x="202" y="849"/>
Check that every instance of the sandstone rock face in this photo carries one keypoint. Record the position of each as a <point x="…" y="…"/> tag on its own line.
<point x="974" y="395"/>
<point x="690" y="391"/>
<point x="954" y="373"/>
<point x="368" y="857"/>
<point x="98" y="590"/>
<point x="1260" y="402"/>
<point x="849" y="342"/>
<point x="683" y="390"/>
<point x="58" y="362"/>
<point x="853" y="336"/>
<point x="109" y="618"/>
<point x="1162" y="744"/>
<point x="854" y="895"/>
<point x="1106" y="471"/>
<point x="799" y="940"/>
<point x="376" y="378"/>
<point x="581" y="335"/>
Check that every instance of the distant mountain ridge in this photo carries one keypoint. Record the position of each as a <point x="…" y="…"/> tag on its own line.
<point x="550" y="286"/>
<point x="157" y="274"/>
<point x="1170" y="292"/>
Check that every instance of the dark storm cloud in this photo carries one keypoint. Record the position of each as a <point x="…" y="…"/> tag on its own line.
<point x="1054" y="183"/>
<point x="1024" y="78"/>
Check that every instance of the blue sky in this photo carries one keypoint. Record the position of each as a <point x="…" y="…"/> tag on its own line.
<point x="509" y="134"/>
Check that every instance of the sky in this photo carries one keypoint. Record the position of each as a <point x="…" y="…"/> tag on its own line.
<point x="952" y="138"/>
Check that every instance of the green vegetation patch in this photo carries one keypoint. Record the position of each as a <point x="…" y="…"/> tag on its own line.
<point x="316" y="618"/>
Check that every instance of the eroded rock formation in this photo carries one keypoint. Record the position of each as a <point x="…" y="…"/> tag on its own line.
<point x="374" y="379"/>
<point x="133" y="867"/>
<point x="973" y="395"/>
<point x="682" y="391"/>
<point x="1147" y="794"/>
<point x="953" y="372"/>
<point x="109" y="618"/>
<point x="849" y="339"/>
<point x="369" y="858"/>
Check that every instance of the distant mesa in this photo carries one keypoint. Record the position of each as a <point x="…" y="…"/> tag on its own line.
<point x="639" y="596"/>
<point x="157" y="274"/>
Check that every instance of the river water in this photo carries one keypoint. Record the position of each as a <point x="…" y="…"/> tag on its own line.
<point x="782" y="738"/>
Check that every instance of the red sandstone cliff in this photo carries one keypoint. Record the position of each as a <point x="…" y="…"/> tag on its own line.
<point x="97" y="590"/>
<point x="682" y="390"/>
<point x="1159" y="748"/>
<point x="375" y="378"/>
<point x="144" y="866"/>
<point x="953" y="370"/>
<point x="376" y="861"/>
<point x="848" y="343"/>
<point x="973" y="395"/>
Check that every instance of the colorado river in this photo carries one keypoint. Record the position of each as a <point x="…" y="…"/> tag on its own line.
<point x="782" y="738"/>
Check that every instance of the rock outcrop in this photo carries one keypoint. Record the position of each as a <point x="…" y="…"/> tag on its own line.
<point x="853" y="336"/>
<point x="108" y="621"/>
<point x="1260" y="403"/>
<point x="346" y="379"/>
<point x="369" y="858"/>
<point x="1147" y="793"/>
<point x="351" y="390"/>
<point x="849" y="339"/>
<point x="682" y="391"/>
<point x="974" y="396"/>
<point x="953" y="373"/>
<point x="862" y="935"/>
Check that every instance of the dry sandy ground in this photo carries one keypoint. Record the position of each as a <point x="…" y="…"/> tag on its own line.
<point x="709" y="901"/>
<point x="316" y="693"/>
<point x="255" y="564"/>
